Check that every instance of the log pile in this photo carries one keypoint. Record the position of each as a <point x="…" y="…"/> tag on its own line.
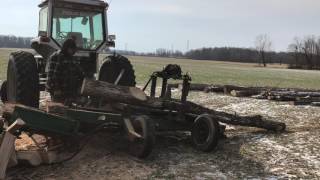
<point x="295" y="96"/>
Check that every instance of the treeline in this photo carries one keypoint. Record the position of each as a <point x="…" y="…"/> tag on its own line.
<point x="14" y="42"/>
<point x="232" y="54"/>
<point x="305" y="52"/>
<point x="224" y="54"/>
<point x="235" y="54"/>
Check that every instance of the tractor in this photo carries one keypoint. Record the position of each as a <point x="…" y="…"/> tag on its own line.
<point x="85" y="21"/>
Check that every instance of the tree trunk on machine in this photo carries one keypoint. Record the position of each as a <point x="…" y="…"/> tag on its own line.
<point x="112" y="92"/>
<point x="137" y="97"/>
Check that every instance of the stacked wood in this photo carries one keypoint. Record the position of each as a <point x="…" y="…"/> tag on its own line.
<point x="295" y="97"/>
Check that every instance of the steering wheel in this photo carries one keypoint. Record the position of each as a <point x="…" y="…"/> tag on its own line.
<point x="93" y="44"/>
<point x="63" y="35"/>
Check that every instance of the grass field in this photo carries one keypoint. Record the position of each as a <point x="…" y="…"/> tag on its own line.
<point x="215" y="72"/>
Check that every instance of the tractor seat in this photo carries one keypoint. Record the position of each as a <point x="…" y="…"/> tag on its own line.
<point x="77" y="36"/>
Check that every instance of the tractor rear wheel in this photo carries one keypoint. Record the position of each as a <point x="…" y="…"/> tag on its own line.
<point x="112" y="67"/>
<point x="3" y="92"/>
<point x="23" y="79"/>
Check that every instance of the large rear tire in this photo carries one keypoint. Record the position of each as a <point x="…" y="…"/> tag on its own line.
<point x="23" y="79"/>
<point x="113" y="66"/>
<point x="3" y="92"/>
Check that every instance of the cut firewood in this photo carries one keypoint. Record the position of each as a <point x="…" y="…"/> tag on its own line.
<point x="112" y="92"/>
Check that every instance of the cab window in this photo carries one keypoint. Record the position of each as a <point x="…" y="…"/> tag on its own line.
<point x="85" y="27"/>
<point x="43" y="21"/>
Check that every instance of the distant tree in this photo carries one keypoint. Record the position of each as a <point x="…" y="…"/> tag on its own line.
<point x="263" y="45"/>
<point x="295" y="49"/>
<point x="309" y="49"/>
<point x="14" y="42"/>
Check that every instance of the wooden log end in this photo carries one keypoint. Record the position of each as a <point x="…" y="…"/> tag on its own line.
<point x="138" y="94"/>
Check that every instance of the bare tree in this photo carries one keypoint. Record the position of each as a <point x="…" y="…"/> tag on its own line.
<point x="263" y="45"/>
<point x="309" y="48"/>
<point x="296" y="49"/>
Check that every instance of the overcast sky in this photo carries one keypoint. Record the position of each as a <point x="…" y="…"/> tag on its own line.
<point x="145" y="25"/>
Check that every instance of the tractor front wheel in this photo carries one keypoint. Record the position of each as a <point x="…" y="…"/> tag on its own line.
<point x="23" y="79"/>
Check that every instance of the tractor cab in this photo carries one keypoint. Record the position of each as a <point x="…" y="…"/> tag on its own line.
<point x="84" y="21"/>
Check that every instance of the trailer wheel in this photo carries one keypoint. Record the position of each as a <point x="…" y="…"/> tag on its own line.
<point x="205" y="133"/>
<point x="3" y="92"/>
<point x="142" y="147"/>
<point x="113" y="66"/>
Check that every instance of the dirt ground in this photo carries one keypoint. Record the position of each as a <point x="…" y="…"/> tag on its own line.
<point x="246" y="153"/>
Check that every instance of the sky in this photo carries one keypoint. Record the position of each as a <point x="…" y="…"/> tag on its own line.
<point x="145" y="25"/>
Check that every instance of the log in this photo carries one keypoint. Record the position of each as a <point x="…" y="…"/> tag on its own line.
<point x="315" y="104"/>
<point x="250" y="121"/>
<point x="284" y="98"/>
<point x="244" y="93"/>
<point x="311" y="99"/>
<point x="195" y="87"/>
<point x="294" y="93"/>
<point x="300" y="103"/>
<point x="214" y="88"/>
<point x="228" y="88"/>
<point x="111" y="92"/>
<point x="192" y="108"/>
<point x="7" y="147"/>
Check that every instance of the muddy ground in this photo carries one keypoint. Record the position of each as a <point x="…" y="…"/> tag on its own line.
<point x="246" y="153"/>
